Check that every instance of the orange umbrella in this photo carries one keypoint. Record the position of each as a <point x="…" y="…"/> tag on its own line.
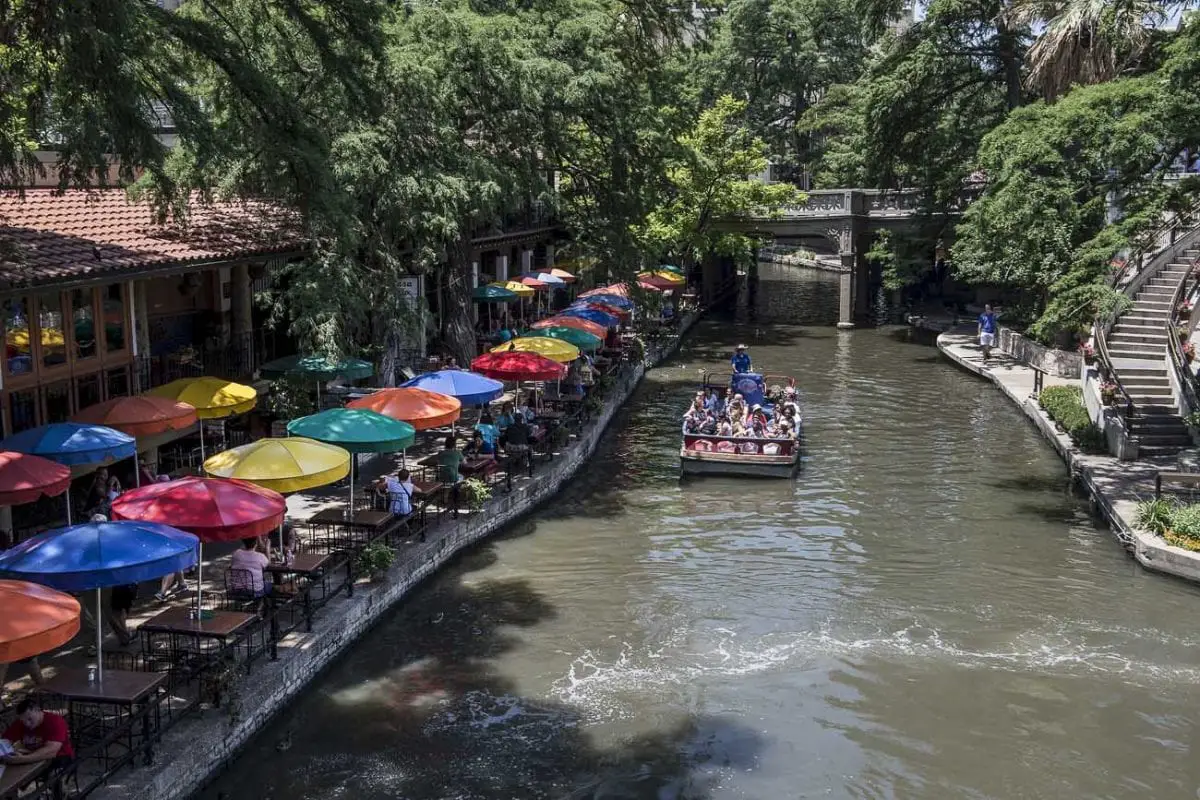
<point x="418" y="407"/>
<point x="534" y="283"/>
<point x="572" y="322"/>
<point x="35" y="619"/>
<point x="561" y="274"/>
<point x="621" y="289"/>
<point x="144" y="415"/>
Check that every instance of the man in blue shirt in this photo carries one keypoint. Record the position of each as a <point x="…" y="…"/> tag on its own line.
<point x="740" y="360"/>
<point x="987" y="331"/>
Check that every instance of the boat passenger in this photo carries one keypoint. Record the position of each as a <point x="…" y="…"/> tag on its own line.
<point x="757" y="415"/>
<point x="725" y="428"/>
<point x="709" y="424"/>
<point x="740" y="360"/>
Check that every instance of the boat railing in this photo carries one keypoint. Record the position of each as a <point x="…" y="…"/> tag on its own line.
<point x="786" y="445"/>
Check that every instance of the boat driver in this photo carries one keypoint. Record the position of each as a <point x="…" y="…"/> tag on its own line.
<point x="740" y="360"/>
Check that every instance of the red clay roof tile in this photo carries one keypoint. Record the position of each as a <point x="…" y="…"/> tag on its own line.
<point x="81" y="234"/>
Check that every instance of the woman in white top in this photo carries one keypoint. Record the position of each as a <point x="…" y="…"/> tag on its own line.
<point x="254" y="561"/>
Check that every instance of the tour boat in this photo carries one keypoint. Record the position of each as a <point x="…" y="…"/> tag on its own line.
<point x="742" y="456"/>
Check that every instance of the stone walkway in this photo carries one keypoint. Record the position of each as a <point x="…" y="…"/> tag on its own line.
<point x="1115" y="486"/>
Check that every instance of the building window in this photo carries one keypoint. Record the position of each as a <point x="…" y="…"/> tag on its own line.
<point x="114" y="317"/>
<point x="50" y="323"/>
<point x="87" y="390"/>
<point x="18" y="356"/>
<point x="83" y="316"/>
<point x="58" y="402"/>
<point x="118" y="382"/>
<point x="24" y="410"/>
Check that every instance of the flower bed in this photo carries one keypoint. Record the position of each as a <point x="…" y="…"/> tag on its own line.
<point x="1177" y="523"/>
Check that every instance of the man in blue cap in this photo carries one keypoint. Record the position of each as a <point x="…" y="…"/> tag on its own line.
<point x="740" y="360"/>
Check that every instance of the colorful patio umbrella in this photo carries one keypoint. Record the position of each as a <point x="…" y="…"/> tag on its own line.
<point x="516" y="287"/>
<point x="553" y="281"/>
<point x="587" y="326"/>
<point x="317" y="368"/>
<point x="612" y="300"/>
<point x="285" y="465"/>
<point x="213" y="398"/>
<point x="36" y="619"/>
<point x="670" y="268"/>
<point x="661" y="280"/>
<point x="649" y="287"/>
<point x="213" y="509"/>
<point x="97" y="555"/>
<point x="593" y="304"/>
<point x="468" y="388"/>
<point x="518" y="365"/>
<point x="492" y="294"/>
<point x="554" y="349"/>
<point x="418" y="407"/>
<point x="580" y="339"/>
<point x="358" y="431"/>
<point x="534" y="283"/>
<point x="562" y="275"/>
<point x="592" y="315"/>
<point x="619" y="289"/>
<point x="25" y="478"/>
<point x="139" y="416"/>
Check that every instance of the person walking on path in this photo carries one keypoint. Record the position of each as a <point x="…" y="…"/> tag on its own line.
<point x="987" y="331"/>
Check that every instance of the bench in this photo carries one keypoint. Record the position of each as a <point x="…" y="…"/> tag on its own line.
<point x="1171" y="476"/>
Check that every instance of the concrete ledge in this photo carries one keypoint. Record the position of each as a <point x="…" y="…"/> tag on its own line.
<point x="1114" y="486"/>
<point x="192" y="752"/>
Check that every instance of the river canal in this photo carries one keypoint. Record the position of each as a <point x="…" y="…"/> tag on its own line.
<point x="926" y="612"/>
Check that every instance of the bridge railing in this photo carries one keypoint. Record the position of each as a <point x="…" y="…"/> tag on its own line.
<point x="871" y="202"/>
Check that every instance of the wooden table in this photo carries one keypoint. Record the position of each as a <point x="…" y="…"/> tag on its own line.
<point x="18" y="776"/>
<point x="220" y="627"/>
<point x="134" y="695"/>
<point x="425" y="492"/>
<point x="360" y="528"/>
<point x="478" y="467"/>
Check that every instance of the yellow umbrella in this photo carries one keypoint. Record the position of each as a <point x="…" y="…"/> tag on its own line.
<point x="213" y="398"/>
<point x="516" y="287"/>
<point x="553" y="349"/>
<point x="285" y="465"/>
<point x="667" y="275"/>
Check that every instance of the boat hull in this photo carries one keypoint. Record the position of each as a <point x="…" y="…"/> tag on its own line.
<point x="694" y="462"/>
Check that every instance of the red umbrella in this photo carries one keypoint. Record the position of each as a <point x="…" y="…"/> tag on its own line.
<point x="518" y="365"/>
<point x="621" y="289"/>
<point x="143" y="415"/>
<point x="534" y="283"/>
<point x="649" y="280"/>
<point x="578" y="323"/>
<point x="25" y="478"/>
<point x="215" y="509"/>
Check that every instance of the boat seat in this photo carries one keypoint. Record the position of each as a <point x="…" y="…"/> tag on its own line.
<point x="771" y="449"/>
<point x="749" y="448"/>
<point x="726" y="447"/>
<point x="702" y="444"/>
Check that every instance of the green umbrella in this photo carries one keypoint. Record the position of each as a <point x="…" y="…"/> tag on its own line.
<point x="357" y="430"/>
<point x="671" y="268"/>
<point x="581" y="339"/>
<point x="317" y="368"/>
<point x="493" y="294"/>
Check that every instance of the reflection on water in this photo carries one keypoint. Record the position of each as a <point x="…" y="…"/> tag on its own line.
<point x="925" y="612"/>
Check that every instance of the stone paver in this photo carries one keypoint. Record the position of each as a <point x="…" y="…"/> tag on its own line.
<point x="1116" y="486"/>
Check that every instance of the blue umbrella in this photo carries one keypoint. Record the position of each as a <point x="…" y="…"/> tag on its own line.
<point x="71" y="443"/>
<point x="614" y="300"/>
<point x="470" y="388"/>
<point x="592" y="315"/>
<point x="97" y="555"/>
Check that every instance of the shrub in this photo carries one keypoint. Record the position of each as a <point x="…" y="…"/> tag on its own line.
<point x="1185" y="521"/>
<point x="1155" y="515"/>
<point x="1192" y="420"/>
<point x="375" y="559"/>
<point x="476" y="493"/>
<point x="1064" y="405"/>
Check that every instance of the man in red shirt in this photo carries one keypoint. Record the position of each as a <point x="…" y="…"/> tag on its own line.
<point x="38" y="735"/>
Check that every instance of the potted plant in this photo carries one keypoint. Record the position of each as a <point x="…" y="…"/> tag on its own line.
<point x="1189" y="352"/>
<point x="1088" y="352"/>
<point x="1108" y="393"/>
<point x="375" y="560"/>
<point x="476" y="493"/>
<point x="1184" y="310"/>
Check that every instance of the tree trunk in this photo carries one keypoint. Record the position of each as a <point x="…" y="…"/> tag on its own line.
<point x="458" y="332"/>
<point x="384" y="330"/>
<point x="1011" y="61"/>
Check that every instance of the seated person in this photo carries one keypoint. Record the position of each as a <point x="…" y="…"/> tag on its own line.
<point x="525" y="411"/>
<point x="708" y="425"/>
<point x="480" y="447"/>
<point x="38" y="735"/>
<point x="691" y="423"/>
<point x="252" y="560"/>
<point x="518" y="437"/>
<point x="287" y="537"/>
<point x="449" y="460"/>
<point x="757" y="415"/>
<point x="505" y="418"/>
<point x="725" y="428"/>
<point x="399" y="489"/>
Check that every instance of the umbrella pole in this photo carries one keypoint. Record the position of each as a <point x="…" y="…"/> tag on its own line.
<point x="281" y="553"/>
<point x="68" y="505"/>
<point x="99" y="638"/>
<point x="137" y="471"/>
<point x="200" y="422"/>
<point x="199" y="578"/>
<point x="353" y="458"/>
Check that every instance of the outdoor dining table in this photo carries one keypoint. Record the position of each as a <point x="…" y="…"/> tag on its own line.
<point x="314" y="567"/>
<point x="17" y="776"/>
<point x="480" y="468"/>
<point x="425" y="492"/>
<point x="359" y="529"/>
<point x="134" y="695"/>
<point x="223" y="628"/>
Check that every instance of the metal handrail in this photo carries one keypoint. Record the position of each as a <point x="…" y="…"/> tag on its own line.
<point x="1187" y="381"/>
<point x="1103" y="325"/>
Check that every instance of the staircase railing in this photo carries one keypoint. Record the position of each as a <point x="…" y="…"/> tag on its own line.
<point x="1189" y="386"/>
<point x="1160" y="248"/>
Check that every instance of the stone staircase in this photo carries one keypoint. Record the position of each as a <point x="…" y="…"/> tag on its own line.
<point x="1137" y="345"/>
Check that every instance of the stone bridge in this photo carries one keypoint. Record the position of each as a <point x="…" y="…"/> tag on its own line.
<point x="846" y="219"/>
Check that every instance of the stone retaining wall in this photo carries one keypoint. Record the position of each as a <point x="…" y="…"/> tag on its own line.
<point x="1062" y="363"/>
<point x="192" y="752"/>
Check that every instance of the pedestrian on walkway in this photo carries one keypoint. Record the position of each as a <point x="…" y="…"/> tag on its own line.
<point x="987" y="331"/>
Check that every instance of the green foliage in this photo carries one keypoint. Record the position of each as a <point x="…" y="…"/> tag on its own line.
<point x="1155" y="515"/>
<point x="1185" y="522"/>
<point x="290" y="398"/>
<point x="375" y="559"/>
<point x="1064" y="405"/>
<point x="476" y="493"/>
<point x="1192" y="420"/>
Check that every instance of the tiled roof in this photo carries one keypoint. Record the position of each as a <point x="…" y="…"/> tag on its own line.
<point x="48" y="238"/>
